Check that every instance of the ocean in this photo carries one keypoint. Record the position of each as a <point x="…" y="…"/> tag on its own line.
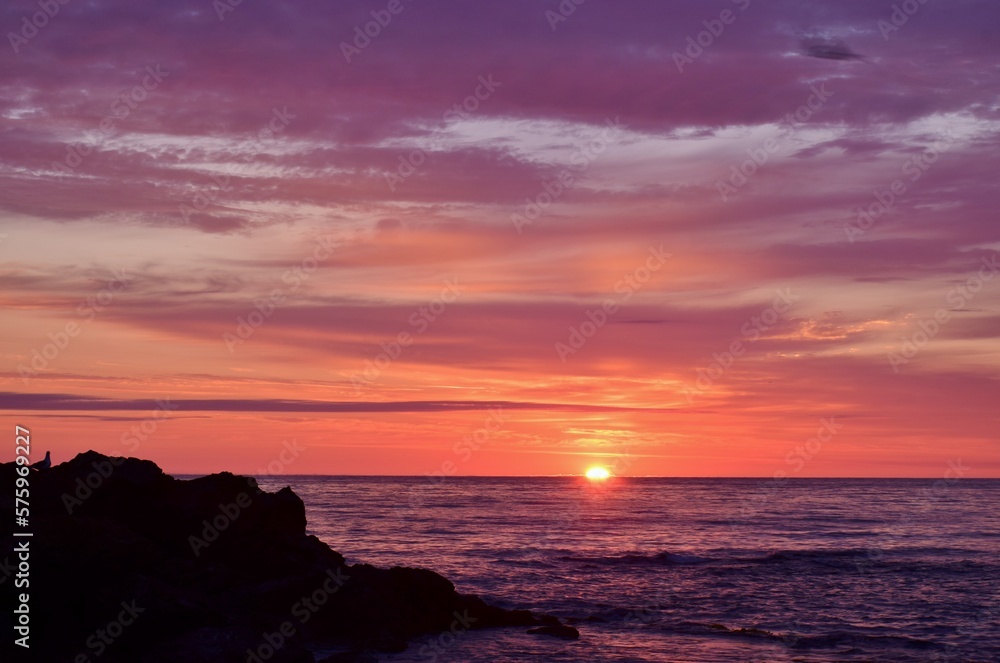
<point x="701" y="570"/>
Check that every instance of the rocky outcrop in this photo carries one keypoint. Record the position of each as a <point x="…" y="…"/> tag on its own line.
<point x="130" y="564"/>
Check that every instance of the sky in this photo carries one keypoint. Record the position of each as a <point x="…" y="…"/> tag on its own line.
<point x="432" y="237"/>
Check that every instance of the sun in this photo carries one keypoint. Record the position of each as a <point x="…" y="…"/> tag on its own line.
<point x="597" y="473"/>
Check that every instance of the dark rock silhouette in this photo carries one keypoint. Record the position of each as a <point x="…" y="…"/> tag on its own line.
<point x="130" y="564"/>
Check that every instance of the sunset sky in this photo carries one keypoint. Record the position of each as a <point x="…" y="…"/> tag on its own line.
<point x="503" y="237"/>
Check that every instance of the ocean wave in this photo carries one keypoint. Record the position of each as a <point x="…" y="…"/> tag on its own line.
<point x="663" y="558"/>
<point x="830" y="640"/>
<point x="819" y="555"/>
<point x="842" y="638"/>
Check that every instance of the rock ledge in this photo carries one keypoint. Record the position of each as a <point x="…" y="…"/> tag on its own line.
<point x="130" y="564"/>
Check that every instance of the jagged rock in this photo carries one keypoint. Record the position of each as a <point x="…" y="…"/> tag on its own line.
<point x="211" y="570"/>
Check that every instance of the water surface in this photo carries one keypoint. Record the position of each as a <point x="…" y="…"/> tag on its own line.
<point x="817" y="570"/>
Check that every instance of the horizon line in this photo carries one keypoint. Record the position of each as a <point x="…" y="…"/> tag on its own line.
<point x="578" y="476"/>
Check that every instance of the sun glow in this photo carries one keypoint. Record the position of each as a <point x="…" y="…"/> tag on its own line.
<point x="597" y="473"/>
